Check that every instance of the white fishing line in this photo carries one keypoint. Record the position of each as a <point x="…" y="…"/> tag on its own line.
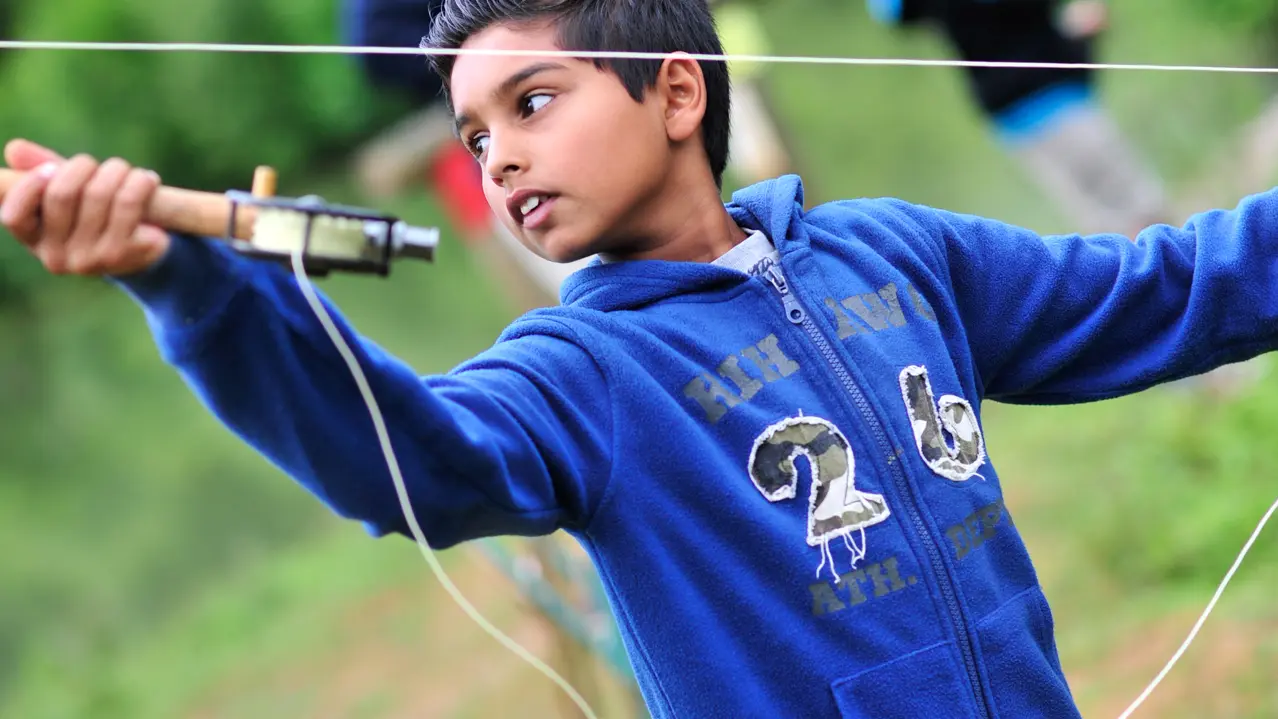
<point x="604" y="54"/>
<point x="1203" y="618"/>
<point x="379" y="424"/>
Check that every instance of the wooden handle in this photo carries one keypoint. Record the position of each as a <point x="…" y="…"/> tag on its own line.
<point x="190" y="212"/>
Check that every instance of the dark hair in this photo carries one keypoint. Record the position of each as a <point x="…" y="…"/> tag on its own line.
<point x="660" y="26"/>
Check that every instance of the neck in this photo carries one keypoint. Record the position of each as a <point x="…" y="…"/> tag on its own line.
<point x="684" y="221"/>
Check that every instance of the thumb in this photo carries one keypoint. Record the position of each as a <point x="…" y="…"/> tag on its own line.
<point x="151" y="235"/>
<point x="26" y="155"/>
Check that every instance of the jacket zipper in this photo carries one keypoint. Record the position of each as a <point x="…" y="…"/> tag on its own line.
<point x="798" y="316"/>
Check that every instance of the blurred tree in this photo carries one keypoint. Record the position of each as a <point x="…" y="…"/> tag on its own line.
<point x="1256" y="19"/>
<point x="1244" y="14"/>
<point x="7" y="8"/>
<point x="199" y="118"/>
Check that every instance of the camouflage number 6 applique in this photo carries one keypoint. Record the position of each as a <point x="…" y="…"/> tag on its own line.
<point x="932" y="419"/>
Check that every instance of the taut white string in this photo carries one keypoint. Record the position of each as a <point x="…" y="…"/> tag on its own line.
<point x="383" y="437"/>
<point x="1203" y="618"/>
<point x="604" y="54"/>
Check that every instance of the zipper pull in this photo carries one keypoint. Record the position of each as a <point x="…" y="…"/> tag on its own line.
<point x="793" y="311"/>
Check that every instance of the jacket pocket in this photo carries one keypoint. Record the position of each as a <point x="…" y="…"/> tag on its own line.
<point x="1018" y="646"/>
<point x="925" y="684"/>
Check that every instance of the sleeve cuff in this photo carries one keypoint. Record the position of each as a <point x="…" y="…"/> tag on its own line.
<point x="187" y="287"/>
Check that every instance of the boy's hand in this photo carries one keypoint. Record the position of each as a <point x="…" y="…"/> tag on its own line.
<point x="79" y="216"/>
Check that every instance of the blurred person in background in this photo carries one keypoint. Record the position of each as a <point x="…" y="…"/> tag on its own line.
<point x="1049" y="119"/>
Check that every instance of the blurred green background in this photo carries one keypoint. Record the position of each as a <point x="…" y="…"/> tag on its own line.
<point x="153" y="566"/>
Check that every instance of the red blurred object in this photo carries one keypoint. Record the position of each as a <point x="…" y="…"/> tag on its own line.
<point x="457" y="180"/>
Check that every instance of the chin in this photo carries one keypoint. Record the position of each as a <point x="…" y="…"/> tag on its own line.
<point x="566" y="256"/>
<point x="562" y="250"/>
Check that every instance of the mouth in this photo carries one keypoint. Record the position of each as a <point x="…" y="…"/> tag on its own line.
<point x="530" y="208"/>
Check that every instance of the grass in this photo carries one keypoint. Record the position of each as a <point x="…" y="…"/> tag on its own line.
<point x="124" y="499"/>
<point x="1132" y="528"/>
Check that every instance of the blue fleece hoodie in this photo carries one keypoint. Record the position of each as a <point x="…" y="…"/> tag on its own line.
<point x="782" y="479"/>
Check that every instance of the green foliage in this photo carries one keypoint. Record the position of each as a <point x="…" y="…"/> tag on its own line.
<point x="200" y="119"/>
<point x="1155" y="490"/>
<point x="274" y="606"/>
<point x="1254" y="16"/>
<point x="1200" y="478"/>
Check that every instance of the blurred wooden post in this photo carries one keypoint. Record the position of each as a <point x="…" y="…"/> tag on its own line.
<point x="573" y="660"/>
<point x="563" y="591"/>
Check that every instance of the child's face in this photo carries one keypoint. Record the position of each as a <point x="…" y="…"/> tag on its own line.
<point x="566" y="133"/>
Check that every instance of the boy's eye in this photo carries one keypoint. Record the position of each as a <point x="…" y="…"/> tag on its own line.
<point x="478" y="145"/>
<point x="533" y="103"/>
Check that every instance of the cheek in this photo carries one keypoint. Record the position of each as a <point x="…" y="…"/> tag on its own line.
<point x="617" y="152"/>
<point x="496" y="197"/>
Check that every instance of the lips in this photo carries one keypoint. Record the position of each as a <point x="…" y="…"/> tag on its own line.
<point x="529" y="207"/>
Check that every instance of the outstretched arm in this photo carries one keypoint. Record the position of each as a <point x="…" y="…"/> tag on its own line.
<point x="515" y="441"/>
<point x="1077" y="318"/>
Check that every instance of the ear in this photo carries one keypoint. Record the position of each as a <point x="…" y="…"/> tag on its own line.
<point x="682" y="89"/>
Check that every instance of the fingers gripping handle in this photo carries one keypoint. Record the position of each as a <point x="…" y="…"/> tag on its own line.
<point x="177" y="210"/>
<point x="331" y="236"/>
<point x="189" y="212"/>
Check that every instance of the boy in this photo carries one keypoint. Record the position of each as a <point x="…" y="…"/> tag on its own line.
<point x="761" y="422"/>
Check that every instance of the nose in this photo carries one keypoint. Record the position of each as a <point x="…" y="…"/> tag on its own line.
<point x="505" y="158"/>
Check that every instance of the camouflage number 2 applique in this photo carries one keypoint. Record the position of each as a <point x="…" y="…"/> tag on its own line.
<point x="836" y="508"/>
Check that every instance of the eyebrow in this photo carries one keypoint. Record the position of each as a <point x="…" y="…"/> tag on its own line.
<point x="509" y="84"/>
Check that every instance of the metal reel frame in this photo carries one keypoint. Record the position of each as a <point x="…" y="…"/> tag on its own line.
<point x="313" y="206"/>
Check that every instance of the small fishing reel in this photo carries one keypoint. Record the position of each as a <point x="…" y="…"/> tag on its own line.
<point x="330" y="236"/>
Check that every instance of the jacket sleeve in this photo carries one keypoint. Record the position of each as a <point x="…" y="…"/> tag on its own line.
<point x="515" y="441"/>
<point x="1076" y="318"/>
